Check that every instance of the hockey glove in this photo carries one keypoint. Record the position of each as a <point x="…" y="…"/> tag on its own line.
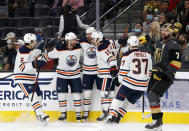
<point x="113" y="71"/>
<point x="158" y="75"/>
<point x="117" y="81"/>
<point x="38" y="63"/>
<point x="123" y="41"/>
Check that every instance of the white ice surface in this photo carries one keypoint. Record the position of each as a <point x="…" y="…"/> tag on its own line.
<point x="56" y="126"/>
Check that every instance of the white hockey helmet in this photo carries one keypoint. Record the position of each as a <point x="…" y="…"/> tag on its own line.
<point x="29" y="37"/>
<point x="97" y="35"/>
<point x="90" y="30"/>
<point x="70" y="36"/>
<point x="133" y="41"/>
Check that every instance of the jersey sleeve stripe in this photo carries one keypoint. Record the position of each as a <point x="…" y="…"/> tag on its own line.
<point x="175" y="64"/>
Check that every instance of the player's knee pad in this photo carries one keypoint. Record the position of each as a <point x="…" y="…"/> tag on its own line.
<point x="62" y="96"/>
<point x="76" y="96"/>
<point x="125" y="104"/>
<point x="112" y="94"/>
<point x="87" y="94"/>
<point x="103" y="93"/>
<point x="116" y="104"/>
<point x="154" y="99"/>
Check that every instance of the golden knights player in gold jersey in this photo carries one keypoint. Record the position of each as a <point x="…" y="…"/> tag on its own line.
<point x="165" y="64"/>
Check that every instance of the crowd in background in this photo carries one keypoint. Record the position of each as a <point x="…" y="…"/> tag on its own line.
<point x="156" y="14"/>
<point x="173" y="14"/>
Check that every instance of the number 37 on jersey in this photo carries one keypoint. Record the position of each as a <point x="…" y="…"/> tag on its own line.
<point x="136" y="63"/>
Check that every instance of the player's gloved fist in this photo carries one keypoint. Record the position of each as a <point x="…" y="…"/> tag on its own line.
<point x="117" y="81"/>
<point x="158" y="75"/>
<point x="122" y="41"/>
<point x="38" y="63"/>
<point x="113" y="71"/>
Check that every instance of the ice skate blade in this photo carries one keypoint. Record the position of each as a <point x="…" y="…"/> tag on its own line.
<point x="155" y="129"/>
<point x="84" y="120"/>
<point x="45" y="122"/>
<point x="61" y="121"/>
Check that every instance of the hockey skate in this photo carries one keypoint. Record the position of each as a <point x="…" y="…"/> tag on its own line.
<point x="85" y="116"/>
<point x="156" y="125"/>
<point x="63" y="116"/>
<point x="112" y="119"/>
<point x="43" y="118"/>
<point x="78" y="116"/>
<point x="103" y="116"/>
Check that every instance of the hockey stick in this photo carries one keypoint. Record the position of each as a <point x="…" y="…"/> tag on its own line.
<point x="107" y="95"/>
<point x="7" y="76"/>
<point x="143" y="105"/>
<point x="36" y="81"/>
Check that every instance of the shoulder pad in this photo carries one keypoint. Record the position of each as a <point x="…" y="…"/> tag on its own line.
<point x="24" y="50"/>
<point x="60" y="47"/>
<point x="104" y="45"/>
<point x="127" y="53"/>
<point x="83" y="40"/>
<point x="77" y="46"/>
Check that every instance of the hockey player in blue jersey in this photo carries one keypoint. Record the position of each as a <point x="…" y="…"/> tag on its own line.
<point x="25" y="72"/>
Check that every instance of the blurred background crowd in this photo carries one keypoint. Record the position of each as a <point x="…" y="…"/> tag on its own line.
<point x="53" y="18"/>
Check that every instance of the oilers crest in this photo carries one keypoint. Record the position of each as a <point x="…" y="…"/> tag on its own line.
<point x="91" y="52"/>
<point x="71" y="60"/>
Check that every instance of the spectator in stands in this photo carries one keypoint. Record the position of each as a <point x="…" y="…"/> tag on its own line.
<point x="13" y="4"/>
<point x="3" y="3"/>
<point x="184" y="17"/>
<point x="152" y="6"/>
<point x="155" y="31"/>
<point x="1" y="58"/>
<point x="69" y="22"/>
<point x="18" y="44"/>
<point x="74" y="3"/>
<point x="11" y="57"/>
<point x="164" y="8"/>
<point x="10" y="38"/>
<point x="38" y="32"/>
<point x="9" y="61"/>
<point x="162" y="19"/>
<point x="177" y="27"/>
<point x="148" y="21"/>
<point x="185" y="51"/>
<point x="138" y="30"/>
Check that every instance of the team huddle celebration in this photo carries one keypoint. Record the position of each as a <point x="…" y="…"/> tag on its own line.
<point x="121" y="70"/>
<point x="138" y="65"/>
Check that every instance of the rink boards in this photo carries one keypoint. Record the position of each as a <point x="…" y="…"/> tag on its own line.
<point x="14" y="106"/>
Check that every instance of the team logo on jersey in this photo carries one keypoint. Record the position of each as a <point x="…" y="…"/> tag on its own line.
<point x="71" y="60"/>
<point x="91" y="52"/>
<point x="158" y="55"/>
